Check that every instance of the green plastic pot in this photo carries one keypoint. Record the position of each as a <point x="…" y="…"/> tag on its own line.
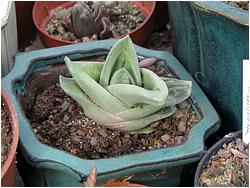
<point x="41" y="165"/>
<point x="211" y="40"/>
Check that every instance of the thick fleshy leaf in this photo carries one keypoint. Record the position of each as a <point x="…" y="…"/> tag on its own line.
<point x="145" y="130"/>
<point x="91" y="68"/>
<point x="90" y="109"/>
<point x="138" y="124"/>
<point x="122" y="54"/>
<point x="141" y="111"/>
<point x="151" y="81"/>
<point x="95" y="92"/>
<point x="122" y="76"/>
<point x="121" y="96"/>
<point x="155" y="91"/>
<point x="179" y="90"/>
<point x="147" y="62"/>
<point x="132" y="95"/>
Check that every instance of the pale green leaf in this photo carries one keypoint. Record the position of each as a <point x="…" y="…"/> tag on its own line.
<point x="151" y="81"/>
<point x="91" y="68"/>
<point x="145" y="130"/>
<point x="132" y="95"/>
<point x="140" y="111"/>
<point x="122" y="76"/>
<point x="179" y="90"/>
<point x="91" y="110"/>
<point x="122" y="54"/>
<point x="96" y="93"/>
<point x="138" y="124"/>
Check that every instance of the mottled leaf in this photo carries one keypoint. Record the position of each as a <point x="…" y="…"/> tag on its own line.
<point x="122" y="76"/>
<point x="122" y="54"/>
<point x="95" y="92"/>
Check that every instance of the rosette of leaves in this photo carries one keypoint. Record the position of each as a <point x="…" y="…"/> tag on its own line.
<point x="89" y="18"/>
<point x="121" y="95"/>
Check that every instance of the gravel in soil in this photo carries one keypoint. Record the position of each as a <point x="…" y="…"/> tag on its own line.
<point x="6" y="133"/>
<point x="239" y="4"/>
<point x="59" y="121"/>
<point x="58" y="27"/>
<point x="124" y="18"/>
<point x="161" y="40"/>
<point x="228" y="167"/>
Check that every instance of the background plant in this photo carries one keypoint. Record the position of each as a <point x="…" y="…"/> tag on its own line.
<point x="120" y="95"/>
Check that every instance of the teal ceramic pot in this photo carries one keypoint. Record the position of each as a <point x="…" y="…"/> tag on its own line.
<point x="41" y="165"/>
<point x="211" y="40"/>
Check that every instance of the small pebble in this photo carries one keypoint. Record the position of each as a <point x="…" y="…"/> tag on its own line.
<point x="66" y="119"/>
<point x="93" y="141"/>
<point x="64" y="106"/>
<point x="165" y="137"/>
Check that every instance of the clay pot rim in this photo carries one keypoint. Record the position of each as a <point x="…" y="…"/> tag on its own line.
<point x="115" y="36"/>
<point x="15" y="131"/>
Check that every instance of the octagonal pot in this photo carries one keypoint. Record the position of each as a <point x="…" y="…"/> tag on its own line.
<point x="42" y="165"/>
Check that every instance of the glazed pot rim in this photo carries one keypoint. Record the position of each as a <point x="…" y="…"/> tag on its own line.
<point x="230" y="12"/>
<point x="212" y="151"/>
<point x="71" y="2"/>
<point x="15" y="132"/>
<point x="207" y="125"/>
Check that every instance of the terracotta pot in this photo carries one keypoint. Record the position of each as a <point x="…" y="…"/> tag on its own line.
<point x="41" y="11"/>
<point x="9" y="168"/>
<point x="26" y="29"/>
<point x="122" y="184"/>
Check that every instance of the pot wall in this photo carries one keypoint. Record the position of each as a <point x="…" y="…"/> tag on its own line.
<point x="211" y="41"/>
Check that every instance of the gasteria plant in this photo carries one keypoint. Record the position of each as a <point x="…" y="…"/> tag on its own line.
<point x="121" y="95"/>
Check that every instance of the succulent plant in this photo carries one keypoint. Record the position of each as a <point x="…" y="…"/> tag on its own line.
<point x="89" y="18"/>
<point x="119" y="94"/>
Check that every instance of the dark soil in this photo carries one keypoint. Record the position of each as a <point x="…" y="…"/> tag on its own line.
<point x="229" y="167"/>
<point x="124" y="17"/>
<point x="6" y="133"/>
<point x="239" y="4"/>
<point x="161" y="40"/>
<point x="59" y="121"/>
